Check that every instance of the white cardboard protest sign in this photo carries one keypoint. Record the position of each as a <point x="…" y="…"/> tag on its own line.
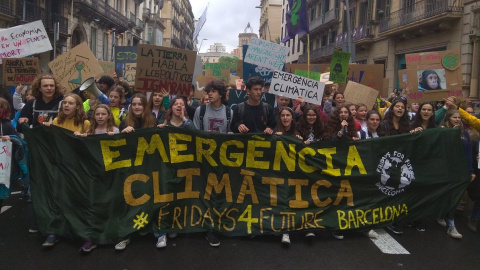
<point x="266" y="54"/>
<point x="5" y="162"/>
<point x="292" y="86"/>
<point x="24" y="40"/>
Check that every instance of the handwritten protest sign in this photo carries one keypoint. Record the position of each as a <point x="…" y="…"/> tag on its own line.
<point x="293" y="86"/>
<point x="165" y="68"/>
<point x="266" y="54"/>
<point x="24" y="40"/>
<point x="108" y="67"/>
<point x="75" y="66"/>
<point x="20" y="70"/>
<point x="5" y="162"/>
<point x="432" y="76"/>
<point x="312" y="75"/>
<point x="370" y="75"/>
<point x="124" y="55"/>
<point x="236" y="96"/>
<point x="130" y="71"/>
<point x="218" y="70"/>
<point x="357" y="93"/>
<point x="339" y="66"/>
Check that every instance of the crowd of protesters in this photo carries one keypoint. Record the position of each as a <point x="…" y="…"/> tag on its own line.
<point x="46" y="103"/>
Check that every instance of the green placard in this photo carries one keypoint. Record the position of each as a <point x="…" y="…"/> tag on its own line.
<point x="339" y="66"/>
<point x="313" y="75"/>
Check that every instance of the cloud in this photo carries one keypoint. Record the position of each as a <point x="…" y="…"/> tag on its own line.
<point x="225" y="20"/>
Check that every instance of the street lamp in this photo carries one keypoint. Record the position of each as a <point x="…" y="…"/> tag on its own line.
<point x="201" y="44"/>
<point x="266" y="22"/>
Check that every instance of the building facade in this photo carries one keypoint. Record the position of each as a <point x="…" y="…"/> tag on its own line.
<point x="383" y="31"/>
<point x="270" y="20"/>
<point x="154" y="28"/>
<point x="177" y="17"/>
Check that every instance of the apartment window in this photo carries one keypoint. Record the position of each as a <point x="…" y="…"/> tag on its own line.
<point x="362" y="19"/>
<point x="312" y="14"/>
<point x="384" y="6"/>
<point x="93" y="41"/>
<point x="105" y="47"/>
<point x="333" y="36"/>
<point x="408" y="5"/>
<point x="326" y="6"/>
<point x="324" y="40"/>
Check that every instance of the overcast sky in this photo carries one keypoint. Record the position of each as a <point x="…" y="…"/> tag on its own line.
<point x="225" y="20"/>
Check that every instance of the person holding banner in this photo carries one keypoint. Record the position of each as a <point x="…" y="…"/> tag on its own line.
<point x="253" y="115"/>
<point x="453" y="120"/>
<point x="310" y="127"/>
<point x="341" y="125"/>
<point x="360" y="117"/>
<point x="373" y="122"/>
<point x="138" y="116"/>
<point x="72" y="116"/>
<point x="424" y="118"/>
<point x="45" y="106"/>
<point x="6" y="129"/>
<point x="395" y="122"/>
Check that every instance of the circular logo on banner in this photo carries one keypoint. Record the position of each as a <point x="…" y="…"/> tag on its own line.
<point x="396" y="173"/>
<point x="451" y="61"/>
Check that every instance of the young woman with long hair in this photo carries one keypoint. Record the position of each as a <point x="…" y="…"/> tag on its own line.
<point x="72" y="116"/>
<point x="396" y="119"/>
<point x="341" y="125"/>
<point x="310" y="127"/>
<point x="176" y="115"/>
<point x="138" y="116"/>
<point x="373" y="119"/>
<point x="424" y="118"/>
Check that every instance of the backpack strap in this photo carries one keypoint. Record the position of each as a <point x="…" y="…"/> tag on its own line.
<point x="241" y="111"/>
<point x="228" y="113"/>
<point x="203" y="109"/>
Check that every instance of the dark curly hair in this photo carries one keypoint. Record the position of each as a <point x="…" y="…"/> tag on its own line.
<point x="303" y="127"/>
<point x="254" y="81"/>
<point x="334" y="124"/>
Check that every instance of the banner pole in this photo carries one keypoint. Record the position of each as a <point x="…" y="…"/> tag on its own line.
<point x="308" y="55"/>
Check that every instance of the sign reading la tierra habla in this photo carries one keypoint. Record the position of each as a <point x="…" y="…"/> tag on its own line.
<point x="164" y="68"/>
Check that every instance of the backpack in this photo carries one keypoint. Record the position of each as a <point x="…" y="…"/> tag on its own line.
<point x="203" y="109"/>
<point x="241" y="110"/>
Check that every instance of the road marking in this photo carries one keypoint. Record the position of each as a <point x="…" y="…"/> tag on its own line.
<point x="5" y="208"/>
<point x="387" y="244"/>
<point x="16" y="192"/>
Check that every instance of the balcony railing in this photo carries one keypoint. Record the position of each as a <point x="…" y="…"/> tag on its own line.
<point x="106" y="11"/>
<point x="318" y="53"/>
<point x="131" y="19"/>
<point x="418" y="11"/>
<point x="324" y="19"/>
<point x="53" y="18"/>
<point x="7" y="9"/>
<point x="32" y="12"/>
<point x="139" y="24"/>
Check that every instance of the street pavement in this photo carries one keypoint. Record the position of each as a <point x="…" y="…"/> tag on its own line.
<point x="432" y="249"/>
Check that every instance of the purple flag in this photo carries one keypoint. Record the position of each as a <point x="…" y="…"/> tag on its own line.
<point x="297" y="19"/>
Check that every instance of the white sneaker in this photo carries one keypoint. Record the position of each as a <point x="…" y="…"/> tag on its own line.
<point x="286" y="238"/>
<point x="310" y="234"/>
<point x="442" y="222"/>
<point x="122" y="244"/>
<point x="162" y="241"/>
<point x="452" y="231"/>
<point x="337" y="235"/>
<point x="372" y="234"/>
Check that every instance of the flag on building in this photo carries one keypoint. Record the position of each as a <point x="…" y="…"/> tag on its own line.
<point x="297" y="19"/>
<point x="200" y="24"/>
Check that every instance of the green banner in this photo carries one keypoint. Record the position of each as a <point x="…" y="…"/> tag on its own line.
<point x="339" y="66"/>
<point x="105" y="187"/>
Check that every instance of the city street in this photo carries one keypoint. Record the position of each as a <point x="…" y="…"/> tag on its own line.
<point x="432" y="249"/>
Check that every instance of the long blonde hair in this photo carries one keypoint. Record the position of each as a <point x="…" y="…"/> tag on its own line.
<point x="80" y="115"/>
<point x="93" y="121"/>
